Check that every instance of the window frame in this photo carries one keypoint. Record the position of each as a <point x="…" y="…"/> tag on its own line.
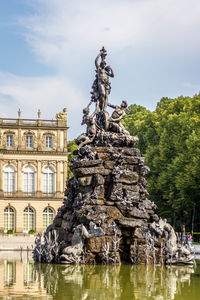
<point x="29" y="180"/>
<point x="9" y="140"/>
<point x="29" y="141"/>
<point x="49" y="141"/>
<point x="48" y="215"/>
<point x="29" y="223"/>
<point x="48" y="180"/>
<point x="9" y="219"/>
<point x="8" y="179"/>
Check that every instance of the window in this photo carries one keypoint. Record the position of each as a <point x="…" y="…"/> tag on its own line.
<point x="9" y="273"/>
<point x="9" y="219"/>
<point x="29" y="141"/>
<point x="29" y="219"/>
<point x="9" y="179"/>
<point x="9" y="141"/>
<point x="48" y="180"/>
<point x="48" y="141"/>
<point x="48" y="216"/>
<point x="29" y="180"/>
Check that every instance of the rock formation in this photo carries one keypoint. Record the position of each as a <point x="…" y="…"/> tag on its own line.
<point x="106" y="217"/>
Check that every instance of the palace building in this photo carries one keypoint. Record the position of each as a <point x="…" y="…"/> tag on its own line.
<point x="33" y="171"/>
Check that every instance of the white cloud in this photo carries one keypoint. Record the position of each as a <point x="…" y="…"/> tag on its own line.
<point x="49" y="94"/>
<point x="64" y="32"/>
<point x="189" y="85"/>
<point x="149" y="42"/>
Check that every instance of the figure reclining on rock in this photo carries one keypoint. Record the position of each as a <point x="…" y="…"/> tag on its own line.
<point x="118" y="114"/>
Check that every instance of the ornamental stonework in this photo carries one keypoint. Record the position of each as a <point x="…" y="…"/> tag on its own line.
<point x="54" y="139"/>
<point x="4" y="138"/>
<point x="29" y="163"/>
<point x="9" y="162"/>
<point x="31" y="133"/>
<point x="47" y="163"/>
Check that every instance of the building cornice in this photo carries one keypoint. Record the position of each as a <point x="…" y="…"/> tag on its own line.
<point x="33" y="127"/>
<point x="30" y="199"/>
<point x="33" y="153"/>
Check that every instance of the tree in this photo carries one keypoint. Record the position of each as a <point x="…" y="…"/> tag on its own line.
<point x="170" y="141"/>
<point x="71" y="146"/>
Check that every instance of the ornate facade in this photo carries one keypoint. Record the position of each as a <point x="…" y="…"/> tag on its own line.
<point x="33" y="171"/>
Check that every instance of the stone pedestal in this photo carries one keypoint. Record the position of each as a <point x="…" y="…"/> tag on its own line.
<point x="109" y="190"/>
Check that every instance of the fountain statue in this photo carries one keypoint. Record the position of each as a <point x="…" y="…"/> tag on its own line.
<point x="106" y="217"/>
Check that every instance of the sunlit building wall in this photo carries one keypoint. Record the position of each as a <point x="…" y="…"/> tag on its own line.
<point x="33" y="171"/>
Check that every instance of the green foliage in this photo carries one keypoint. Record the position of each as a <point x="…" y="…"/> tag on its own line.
<point x="10" y="231"/>
<point x="31" y="231"/>
<point x="71" y="146"/>
<point x="136" y="122"/>
<point x="170" y="141"/>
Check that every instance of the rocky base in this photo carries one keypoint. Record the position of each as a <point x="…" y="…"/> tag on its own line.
<point x="106" y="217"/>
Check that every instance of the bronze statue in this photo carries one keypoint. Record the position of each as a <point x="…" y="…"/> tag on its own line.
<point x="99" y="120"/>
<point x="91" y="128"/>
<point x="101" y="86"/>
<point x="118" y="114"/>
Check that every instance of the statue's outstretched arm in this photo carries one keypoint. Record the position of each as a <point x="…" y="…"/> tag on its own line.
<point x="111" y="105"/>
<point x="87" y="107"/>
<point x="94" y="113"/>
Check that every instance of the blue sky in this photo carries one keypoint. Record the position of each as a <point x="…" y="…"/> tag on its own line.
<point x="48" y="49"/>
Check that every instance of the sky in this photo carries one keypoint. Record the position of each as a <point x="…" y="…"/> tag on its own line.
<point x="48" y="48"/>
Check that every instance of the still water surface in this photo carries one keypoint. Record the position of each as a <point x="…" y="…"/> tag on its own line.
<point x="20" y="278"/>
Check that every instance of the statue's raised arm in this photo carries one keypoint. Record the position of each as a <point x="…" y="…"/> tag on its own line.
<point x="96" y="60"/>
<point x="102" y="54"/>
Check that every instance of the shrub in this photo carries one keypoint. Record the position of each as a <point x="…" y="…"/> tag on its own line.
<point x="10" y="231"/>
<point x="31" y="231"/>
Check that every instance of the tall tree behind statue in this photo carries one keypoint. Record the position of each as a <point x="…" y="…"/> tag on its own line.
<point x="169" y="138"/>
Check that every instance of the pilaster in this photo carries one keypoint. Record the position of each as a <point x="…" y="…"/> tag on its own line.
<point x="65" y="141"/>
<point x="58" y="141"/>
<point x="64" y="174"/>
<point x="58" y="190"/>
<point x="19" y="139"/>
<point x="19" y="177"/>
<point x="1" y="177"/>
<point x="39" y="178"/>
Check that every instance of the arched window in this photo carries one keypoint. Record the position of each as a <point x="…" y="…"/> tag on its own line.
<point x="9" y="219"/>
<point x="29" y="219"/>
<point x="48" y="215"/>
<point x="29" y="180"/>
<point x="48" y="180"/>
<point x="9" y="179"/>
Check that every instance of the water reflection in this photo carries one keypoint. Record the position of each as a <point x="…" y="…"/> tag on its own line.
<point x="29" y="273"/>
<point x="18" y="277"/>
<point x="23" y="277"/>
<point x="114" y="282"/>
<point x="9" y="272"/>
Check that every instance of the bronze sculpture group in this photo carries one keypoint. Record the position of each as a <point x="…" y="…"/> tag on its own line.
<point x="100" y="120"/>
